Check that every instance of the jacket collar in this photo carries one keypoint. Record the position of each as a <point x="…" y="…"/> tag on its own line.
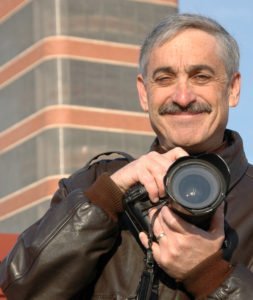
<point x="231" y="151"/>
<point x="233" y="154"/>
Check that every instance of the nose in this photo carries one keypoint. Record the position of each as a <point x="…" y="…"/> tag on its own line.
<point x="183" y="94"/>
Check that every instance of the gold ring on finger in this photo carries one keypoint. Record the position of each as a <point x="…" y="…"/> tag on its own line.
<point x="161" y="235"/>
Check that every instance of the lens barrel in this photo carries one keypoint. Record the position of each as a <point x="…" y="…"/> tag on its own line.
<point x="196" y="186"/>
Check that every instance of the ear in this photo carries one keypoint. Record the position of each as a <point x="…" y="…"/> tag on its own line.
<point x="141" y="88"/>
<point x="235" y="88"/>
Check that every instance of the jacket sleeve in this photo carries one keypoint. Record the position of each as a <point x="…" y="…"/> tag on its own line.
<point x="217" y="279"/>
<point x="59" y="254"/>
<point x="238" y="286"/>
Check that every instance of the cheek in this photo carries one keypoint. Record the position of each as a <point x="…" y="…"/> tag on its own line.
<point x="220" y="117"/>
<point x="156" y="97"/>
<point x="152" y="103"/>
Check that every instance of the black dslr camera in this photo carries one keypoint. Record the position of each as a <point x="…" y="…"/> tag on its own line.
<point x="195" y="186"/>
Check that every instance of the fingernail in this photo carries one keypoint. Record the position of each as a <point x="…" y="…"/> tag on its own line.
<point x="156" y="199"/>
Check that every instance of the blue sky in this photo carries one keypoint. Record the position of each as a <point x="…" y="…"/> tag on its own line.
<point x="237" y="17"/>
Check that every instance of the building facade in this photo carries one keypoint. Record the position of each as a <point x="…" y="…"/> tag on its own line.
<point x="68" y="71"/>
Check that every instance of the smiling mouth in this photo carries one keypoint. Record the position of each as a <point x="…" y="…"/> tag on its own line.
<point x="193" y="108"/>
<point x="185" y="114"/>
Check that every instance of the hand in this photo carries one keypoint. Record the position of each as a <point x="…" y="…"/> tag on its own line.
<point x="182" y="245"/>
<point x="148" y="170"/>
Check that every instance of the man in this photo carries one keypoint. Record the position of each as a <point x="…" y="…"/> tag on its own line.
<point x="84" y="247"/>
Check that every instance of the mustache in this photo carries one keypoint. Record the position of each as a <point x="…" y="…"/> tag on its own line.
<point x="193" y="107"/>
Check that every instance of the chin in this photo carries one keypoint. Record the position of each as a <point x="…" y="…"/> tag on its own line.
<point x="191" y="140"/>
<point x="191" y="145"/>
<point x="199" y="146"/>
<point x="188" y="141"/>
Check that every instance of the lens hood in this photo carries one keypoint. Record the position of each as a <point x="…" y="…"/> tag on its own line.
<point x="196" y="185"/>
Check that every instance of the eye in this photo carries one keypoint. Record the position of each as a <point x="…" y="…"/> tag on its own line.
<point x="165" y="80"/>
<point x="201" y="78"/>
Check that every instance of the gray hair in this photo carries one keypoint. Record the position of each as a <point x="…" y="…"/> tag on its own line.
<point x="174" y="24"/>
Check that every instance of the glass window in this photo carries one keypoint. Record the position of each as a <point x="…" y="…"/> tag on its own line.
<point x="28" y="94"/>
<point x="112" y="20"/>
<point x="40" y="156"/>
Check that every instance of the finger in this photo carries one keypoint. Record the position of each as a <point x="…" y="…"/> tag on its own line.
<point x="150" y="170"/>
<point x="155" y="222"/>
<point x="158" y="165"/>
<point x="175" y="154"/>
<point x="150" y="184"/>
<point x="160" y="232"/>
<point x="156" y="249"/>
<point x="167" y="160"/>
<point x="144" y="239"/>
<point x="145" y="242"/>
<point x="175" y="223"/>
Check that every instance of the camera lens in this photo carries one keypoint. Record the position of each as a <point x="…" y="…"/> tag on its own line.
<point x="194" y="189"/>
<point x="195" y="186"/>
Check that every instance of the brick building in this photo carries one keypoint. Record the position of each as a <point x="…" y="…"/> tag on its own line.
<point x="67" y="76"/>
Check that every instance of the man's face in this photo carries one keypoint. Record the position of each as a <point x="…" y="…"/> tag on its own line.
<point x="187" y="92"/>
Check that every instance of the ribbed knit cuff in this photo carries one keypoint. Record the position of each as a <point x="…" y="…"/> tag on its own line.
<point x="106" y="194"/>
<point x="207" y="276"/>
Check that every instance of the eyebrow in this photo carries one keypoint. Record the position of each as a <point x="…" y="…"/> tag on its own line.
<point x="194" y="68"/>
<point x="202" y="67"/>
<point x="167" y="70"/>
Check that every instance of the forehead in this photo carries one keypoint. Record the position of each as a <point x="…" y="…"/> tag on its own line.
<point x="189" y="47"/>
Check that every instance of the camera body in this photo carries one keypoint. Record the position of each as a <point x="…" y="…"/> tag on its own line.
<point x="195" y="186"/>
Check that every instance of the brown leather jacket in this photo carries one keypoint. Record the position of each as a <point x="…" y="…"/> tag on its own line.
<point x="83" y="249"/>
